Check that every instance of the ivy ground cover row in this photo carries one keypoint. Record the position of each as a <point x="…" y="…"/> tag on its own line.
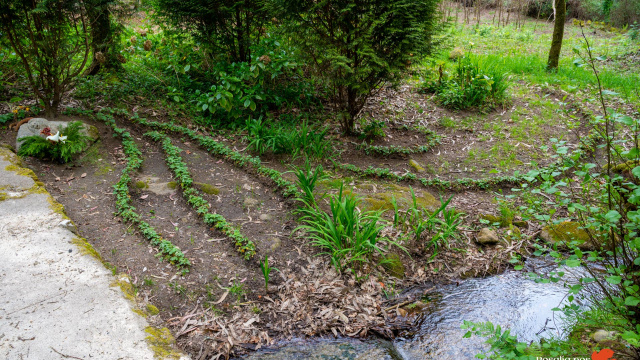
<point x="180" y="170"/>
<point x="219" y="149"/>
<point x="167" y="250"/>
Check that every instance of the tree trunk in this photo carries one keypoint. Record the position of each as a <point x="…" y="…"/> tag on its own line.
<point x="558" y="32"/>
<point x="102" y="38"/>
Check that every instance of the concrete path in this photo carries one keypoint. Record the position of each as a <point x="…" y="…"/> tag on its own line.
<point x="57" y="301"/>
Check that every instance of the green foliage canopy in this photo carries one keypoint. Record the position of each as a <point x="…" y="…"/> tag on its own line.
<point x="52" y="39"/>
<point x="225" y="27"/>
<point x="358" y="45"/>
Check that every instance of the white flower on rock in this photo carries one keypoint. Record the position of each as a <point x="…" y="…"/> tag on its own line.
<point x="57" y="138"/>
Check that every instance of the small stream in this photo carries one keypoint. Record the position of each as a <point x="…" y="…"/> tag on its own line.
<point x="510" y="300"/>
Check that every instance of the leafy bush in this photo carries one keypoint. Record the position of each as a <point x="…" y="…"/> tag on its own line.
<point x="473" y="84"/>
<point x="272" y="79"/>
<point x="368" y="43"/>
<point x="62" y="150"/>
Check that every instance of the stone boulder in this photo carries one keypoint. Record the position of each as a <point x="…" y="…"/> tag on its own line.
<point x="34" y="126"/>
<point x="487" y="236"/>
<point x="567" y="232"/>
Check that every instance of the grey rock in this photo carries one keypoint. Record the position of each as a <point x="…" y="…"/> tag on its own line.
<point x="34" y="126"/>
<point x="602" y="335"/>
<point x="69" y="225"/>
<point x="251" y="202"/>
<point x="275" y="244"/>
<point x="266" y="217"/>
<point x="487" y="236"/>
<point x="156" y="186"/>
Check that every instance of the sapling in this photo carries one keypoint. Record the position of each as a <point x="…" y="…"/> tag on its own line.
<point x="266" y="271"/>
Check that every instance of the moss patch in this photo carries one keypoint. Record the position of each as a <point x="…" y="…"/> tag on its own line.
<point x="414" y="164"/>
<point x="9" y="147"/>
<point x="22" y="171"/>
<point x="393" y="265"/>
<point x="127" y="288"/>
<point x="161" y="342"/>
<point x="142" y="185"/>
<point x="56" y="207"/>
<point x="172" y="185"/>
<point x="104" y="170"/>
<point x="93" y="131"/>
<point x="565" y="233"/>
<point x="492" y="219"/>
<point x="152" y="310"/>
<point x="86" y="248"/>
<point x="402" y="195"/>
<point x="10" y="156"/>
<point x="335" y="183"/>
<point x="207" y="189"/>
<point x="3" y="196"/>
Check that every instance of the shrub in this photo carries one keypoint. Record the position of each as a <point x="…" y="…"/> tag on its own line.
<point x="368" y="43"/>
<point x="271" y="79"/>
<point x="52" y="39"/>
<point x="473" y="84"/>
<point x="61" y="150"/>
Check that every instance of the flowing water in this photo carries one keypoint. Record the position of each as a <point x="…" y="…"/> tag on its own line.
<point x="510" y="300"/>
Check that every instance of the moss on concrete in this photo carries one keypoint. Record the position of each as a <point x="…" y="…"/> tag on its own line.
<point x="9" y="155"/>
<point x="7" y="146"/>
<point x="86" y="248"/>
<point x="161" y="342"/>
<point x="207" y="189"/>
<point x="152" y="310"/>
<point x="56" y="207"/>
<point x="128" y="290"/>
<point x="3" y="196"/>
<point x="21" y="171"/>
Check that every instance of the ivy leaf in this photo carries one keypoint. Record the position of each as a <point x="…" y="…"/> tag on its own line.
<point x="573" y="263"/>
<point x="614" y="279"/>
<point x="631" y="301"/>
<point x="613" y="216"/>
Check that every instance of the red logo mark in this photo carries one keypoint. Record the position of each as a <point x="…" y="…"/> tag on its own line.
<point x="604" y="354"/>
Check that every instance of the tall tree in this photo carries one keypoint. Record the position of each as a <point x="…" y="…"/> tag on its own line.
<point x="560" y="8"/>
<point x="359" y="45"/>
<point x="52" y="39"/>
